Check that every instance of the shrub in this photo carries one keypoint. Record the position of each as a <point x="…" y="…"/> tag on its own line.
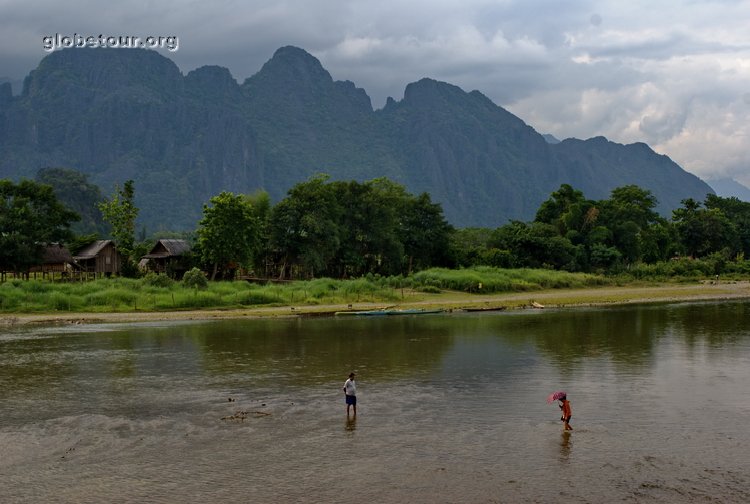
<point x="195" y="279"/>
<point x="154" y="280"/>
<point x="257" y="297"/>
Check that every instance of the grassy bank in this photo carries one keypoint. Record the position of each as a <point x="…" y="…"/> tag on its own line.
<point x="158" y="294"/>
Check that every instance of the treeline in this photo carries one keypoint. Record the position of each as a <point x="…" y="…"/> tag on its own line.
<point x="340" y="229"/>
<point x="571" y="232"/>
<point x="349" y="229"/>
<point x="325" y="229"/>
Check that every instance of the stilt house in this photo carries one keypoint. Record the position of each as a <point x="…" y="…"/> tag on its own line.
<point x="100" y="258"/>
<point x="168" y="256"/>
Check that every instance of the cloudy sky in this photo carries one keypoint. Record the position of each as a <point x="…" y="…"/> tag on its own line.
<point x="673" y="74"/>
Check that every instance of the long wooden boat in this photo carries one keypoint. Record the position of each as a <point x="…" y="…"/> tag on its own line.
<point x="378" y="313"/>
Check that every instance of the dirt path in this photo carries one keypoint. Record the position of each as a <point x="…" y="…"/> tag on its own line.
<point x="449" y="301"/>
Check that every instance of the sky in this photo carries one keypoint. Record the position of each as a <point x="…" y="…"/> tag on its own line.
<point x="672" y="74"/>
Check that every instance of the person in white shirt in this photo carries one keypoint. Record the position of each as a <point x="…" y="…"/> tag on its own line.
<point x="350" y="392"/>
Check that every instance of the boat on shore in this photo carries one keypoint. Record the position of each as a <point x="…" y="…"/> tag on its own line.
<point x="387" y="312"/>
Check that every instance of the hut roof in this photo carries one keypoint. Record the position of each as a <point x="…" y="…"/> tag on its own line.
<point x="168" y="248"/>
<point x="92" y="250"/>
<point x="55" y="253"/>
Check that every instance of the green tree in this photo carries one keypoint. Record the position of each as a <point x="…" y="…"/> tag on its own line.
<point x="263" y="254"/>
<point x="228" y="233"/>
<point x="73" y="190"/>
<point x="632" y="203"/>
<point x="535" y="245"/>
<point x="738" y="213"/>
<point x="120" y="212"/>
<point x="660" y="242"/>
<point x="345" y="229"/>
<point x="629" y="214"/>
<point x="305" y="232"/>
<point x="567" y="210"/>
<point x="469" y="246"/>
<point x="425" y="233"/>
<point x="31" y="217"/>
<point x="703" y="231"/>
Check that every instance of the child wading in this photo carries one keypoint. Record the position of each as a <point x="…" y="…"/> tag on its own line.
<point x="567" y="413"/>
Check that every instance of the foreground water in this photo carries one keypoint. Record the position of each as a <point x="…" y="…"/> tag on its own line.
<point x="451" y="409"/>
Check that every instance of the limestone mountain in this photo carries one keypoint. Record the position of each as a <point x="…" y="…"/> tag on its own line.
<point x="121" y="114"/>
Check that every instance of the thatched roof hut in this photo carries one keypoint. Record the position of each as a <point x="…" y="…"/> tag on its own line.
<point x="168" y="256"/>
<point x="56" y="259"/>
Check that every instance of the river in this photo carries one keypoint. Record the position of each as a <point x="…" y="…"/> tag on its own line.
<point x="452" y="408"/>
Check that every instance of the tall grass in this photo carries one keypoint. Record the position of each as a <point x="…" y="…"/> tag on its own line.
<point x="491" y="280"/>
<point x="686" y="268"/>
<point x="125" y="295"/>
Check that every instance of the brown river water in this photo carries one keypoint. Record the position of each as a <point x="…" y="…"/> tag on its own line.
<point x="451" y="408"/>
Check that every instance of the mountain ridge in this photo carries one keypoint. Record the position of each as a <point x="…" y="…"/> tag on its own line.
<point x="185" y="138"/>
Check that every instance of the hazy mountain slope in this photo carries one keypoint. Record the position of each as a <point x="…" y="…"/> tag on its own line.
<point x="728" y="188"/>
<point x="595" y="166"/>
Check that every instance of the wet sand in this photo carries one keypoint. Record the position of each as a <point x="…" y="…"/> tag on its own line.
<point x="449" y="301"/>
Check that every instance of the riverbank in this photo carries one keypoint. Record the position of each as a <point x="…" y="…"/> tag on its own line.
<point x="449" y="301"/>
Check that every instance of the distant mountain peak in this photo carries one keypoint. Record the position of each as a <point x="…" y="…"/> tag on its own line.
<point x="212" y="72"/>
<point x="296" y="65"/>
<point x="428" y="90"/>
<point x="103" y="68"/>
<point x="213" y="81"/>
<point x="293" y="82"/>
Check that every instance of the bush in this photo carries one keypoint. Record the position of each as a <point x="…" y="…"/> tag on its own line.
<point x="428" y="289"/>
<point x="195" y="279"/>
<point x="257" y="297"/>
<point x="154" y="280"/>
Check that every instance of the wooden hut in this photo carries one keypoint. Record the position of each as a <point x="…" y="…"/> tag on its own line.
<point x="100" y="258"/>
<point x="56" y="260"/>
<point x="168" y="256"/>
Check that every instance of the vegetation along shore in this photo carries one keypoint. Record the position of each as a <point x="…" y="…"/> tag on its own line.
<point x="127" y="300"/>
<point x="336" y="246"/>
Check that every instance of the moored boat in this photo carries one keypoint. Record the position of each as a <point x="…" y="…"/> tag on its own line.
<point x="371" y="313"/>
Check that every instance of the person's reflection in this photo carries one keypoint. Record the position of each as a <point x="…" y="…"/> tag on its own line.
<point x="351" y="423"/>
<point x="565" y="446"/>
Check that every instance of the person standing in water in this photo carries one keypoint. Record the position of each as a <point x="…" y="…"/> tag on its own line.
<point x="350" y="392"/>
<point x="567" y="412"/>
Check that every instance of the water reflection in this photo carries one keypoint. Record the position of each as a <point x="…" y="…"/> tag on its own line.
<point x="717" y="324"/>
<point x="565" y="446"/>
<point x="351" y="423"/>
<point x="314" y="352"/>
<point x="627" y="336"/>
